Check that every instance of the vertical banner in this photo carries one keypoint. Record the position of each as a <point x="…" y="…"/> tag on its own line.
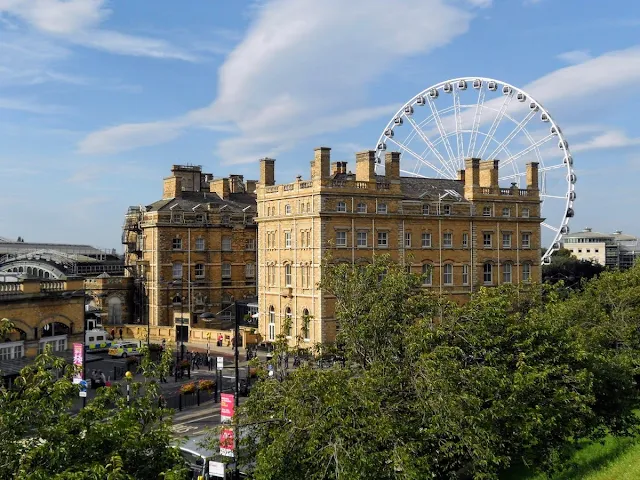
<point x="226" y="406"/>
<point x="226" y="442"/>
<point x="78" y="362"/>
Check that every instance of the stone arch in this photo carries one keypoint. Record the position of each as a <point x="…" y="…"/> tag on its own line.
<point x="21" y="326"/>
<point x="61" y="325"/>
<point x="56" y="317"/>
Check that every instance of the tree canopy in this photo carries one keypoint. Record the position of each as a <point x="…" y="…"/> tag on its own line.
<point x="430" y="389"/>
<point x="108" y="439"/>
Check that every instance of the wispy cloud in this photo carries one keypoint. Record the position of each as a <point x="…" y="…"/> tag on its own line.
<point x="78" y="21"/>
<point x="287" y="79"/>
<point x="575" y="56"/>
<point x="30" y="106"/>
<point x="609" y="140"/>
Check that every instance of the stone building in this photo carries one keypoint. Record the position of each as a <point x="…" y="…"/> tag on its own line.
<point x="110" y="301"/>
<point x="193" y="251"/>
<point x="462" y="234"/>
<point x="43" y="312"/>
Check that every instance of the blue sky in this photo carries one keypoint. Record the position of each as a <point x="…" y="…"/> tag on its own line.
<point x="99" y="98"/>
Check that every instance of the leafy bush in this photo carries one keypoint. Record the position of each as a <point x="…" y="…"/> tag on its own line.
<point x="207" y="385"/>
<point x="188" y="388"/>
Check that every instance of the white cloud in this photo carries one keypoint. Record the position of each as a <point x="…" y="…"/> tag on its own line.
<point x="608" y="139"/>
<point x="129" y="136"/>
<point x="78" y="21"/>
<point x="575" y="56"/>
<point x="29" y="106"/>
<point x="302" y="69"/>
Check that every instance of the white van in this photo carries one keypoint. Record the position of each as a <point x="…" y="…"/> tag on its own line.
<point x="96" y="339"/>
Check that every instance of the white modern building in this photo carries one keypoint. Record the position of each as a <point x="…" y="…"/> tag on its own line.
<point x="614" y="250"/>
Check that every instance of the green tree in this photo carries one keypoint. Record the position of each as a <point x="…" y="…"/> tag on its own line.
<point x="568" y="269"/>
<point x="108" y="439"/>
<point x="429" y="389"/>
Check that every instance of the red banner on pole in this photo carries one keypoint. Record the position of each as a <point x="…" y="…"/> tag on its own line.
<point x="226" y="406"/>
<point x="226" y="442"/>
<point x="78" y="362"/>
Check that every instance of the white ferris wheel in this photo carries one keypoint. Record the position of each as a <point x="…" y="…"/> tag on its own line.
<point x="488" y="119"/>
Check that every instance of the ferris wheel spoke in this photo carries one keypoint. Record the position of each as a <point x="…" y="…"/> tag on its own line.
<point x="476" y="122"/>
<point x="513" y="133"/>
<point x="531" y="147"/>
<point x="550" y="227"/>
<point x="546" y="195"/>
<point x="459" y="138"/>
<point x="495" y="124"/>
<point x="521" y="174"/>
<point x="418" y="157"/>
<point x="442" y="131"/>
<point x="426" y="140"/>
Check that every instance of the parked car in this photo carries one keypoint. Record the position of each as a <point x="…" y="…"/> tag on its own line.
<point x="124" y="349"/>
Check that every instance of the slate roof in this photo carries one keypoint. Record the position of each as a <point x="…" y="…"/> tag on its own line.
<point x="417" y="188"/>
<point x="187" y="200"/>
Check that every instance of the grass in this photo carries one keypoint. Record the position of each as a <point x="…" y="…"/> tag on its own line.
<point x="615" y="459"/>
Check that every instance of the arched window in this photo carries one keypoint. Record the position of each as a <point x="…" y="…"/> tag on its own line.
<point x="29" y="271"/>
<point x="177" y="299"/>
<point x="487" y="274"/>
<point x="306" y="319"/>
<point x="115" y="311"/>
<point x="272" y="323"/>
<point x="427" y="273"/>
<point x="287" y="274"/>
<point x="447" y="274"/>
<point x="288" y="321"/>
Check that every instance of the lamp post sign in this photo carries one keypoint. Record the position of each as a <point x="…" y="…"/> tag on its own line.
<point x="226" y="442"/>
<point x="226" y="407"/>
<point x="78" y="374"/>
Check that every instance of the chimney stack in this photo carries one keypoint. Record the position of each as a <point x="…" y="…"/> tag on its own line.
<point x="250" y="186"/>
<point x="172" y="187"/>
<point x="366" y="166"/>
<point x="321" y="165"/>
<point x="267" y="172"/>
<point x="489" y="173"/>
<point x="221" y="187"/>
<point x="532" y="176"/>
<point x="392" y="165"/>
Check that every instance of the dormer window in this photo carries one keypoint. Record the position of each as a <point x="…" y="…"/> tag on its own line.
<point x="446" y="209"/>
<point x="425" y="209"/>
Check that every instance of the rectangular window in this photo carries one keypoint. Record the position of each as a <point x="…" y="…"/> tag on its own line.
<point x="465" y="274"/>
<point x="177" y="270"/>
<point x="308" y="238"/>
<point x="487" y="273"/>
<point x="362" y="208"/>
<point x="250" y="244"/>
<point x="342" y="207"/>
<point x="177" y="244"/>
<point x="447" y="276"/>
<point x="287" y="209"/>
<point x="506" y="273"/>
<point x="287" y="239"/>
<point x="250" y="270"/>
<point x="506" y="240"/>
<point x="526" y="240"/>
<point x="383" y="239"/>
<point x="303" y="274"/>
<point x="341" y="239"/>
<point x="226" y="244"/>
<point x="382" y="208"/>
<point x="287" y="275"/>
<point x="426" y="240"/>
<point x="427" y="273"/>
<point x="226" y="270"/>
<point x="525" y="213"/>
<point x="425" y="209"/>
<point x="199" y="270"/>
<point x="362" y="239"/>
<point x="407" y="239"/>
<point x="446" y="209"/>
<point x="465" y="240"/>
<point x="272" y="331"/>
<point x="506" y="212"/>
<point x="200" y="244"/>
<point x="526" y="272"/>
<point x="486" y="212"/>
<point x="486" y="240"/>
<point x="447" y="240"/>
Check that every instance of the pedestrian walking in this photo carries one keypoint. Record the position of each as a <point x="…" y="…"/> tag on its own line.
<point x="113" y="334"/>
<point x="120" y="331"/>
<point x="210" y="362"/>
<point x="286" y="361"/>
